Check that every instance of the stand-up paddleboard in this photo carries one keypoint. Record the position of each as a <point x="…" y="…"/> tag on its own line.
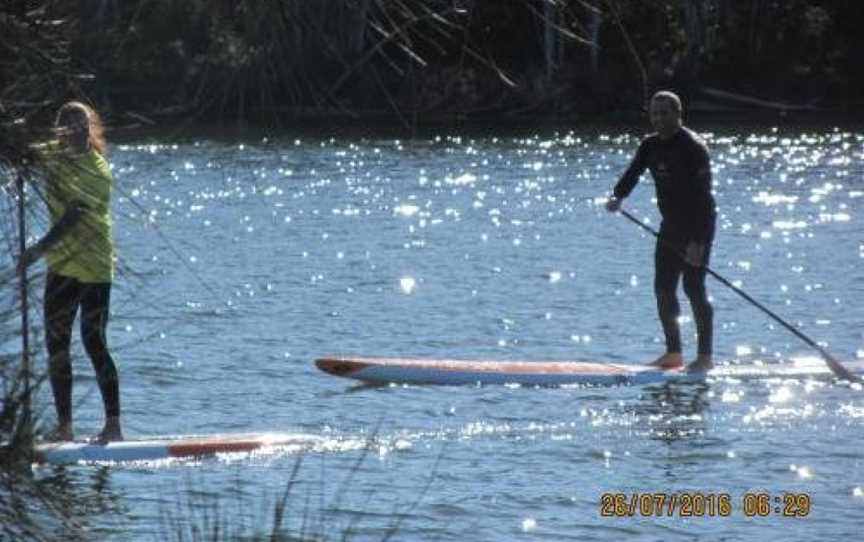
<point x="549" y="373"/>
<point x="166" y="448"/>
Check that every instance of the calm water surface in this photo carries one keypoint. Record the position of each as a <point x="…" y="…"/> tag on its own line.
<point x="241" y="262"/>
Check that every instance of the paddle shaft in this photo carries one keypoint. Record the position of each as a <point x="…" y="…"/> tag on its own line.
<point x="25" y="324"/>
<point x="836" y="367"/>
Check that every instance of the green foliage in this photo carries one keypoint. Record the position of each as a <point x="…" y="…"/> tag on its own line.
<point x="354" y="58"/>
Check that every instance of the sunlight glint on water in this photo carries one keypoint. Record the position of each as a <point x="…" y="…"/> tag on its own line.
<point x="241" y="263"/>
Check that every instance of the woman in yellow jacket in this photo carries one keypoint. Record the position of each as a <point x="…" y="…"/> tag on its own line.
<point x="80" y="254"/>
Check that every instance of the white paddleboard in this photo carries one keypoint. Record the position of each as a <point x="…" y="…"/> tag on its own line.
<point x="166" y="448"/>
<point x="549" y="373"/>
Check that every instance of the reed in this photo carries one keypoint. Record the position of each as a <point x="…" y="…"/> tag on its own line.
<point x="282" y="59"/>
<point x="301" y="512"/>
<point x="36" y="73"/>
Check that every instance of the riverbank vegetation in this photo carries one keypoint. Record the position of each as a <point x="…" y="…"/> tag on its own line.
<point x="409" y="61"/>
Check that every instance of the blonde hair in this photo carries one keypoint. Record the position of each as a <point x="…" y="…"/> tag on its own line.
<point x="96" y="130"/>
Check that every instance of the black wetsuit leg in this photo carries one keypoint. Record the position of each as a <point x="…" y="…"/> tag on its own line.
<point x="95" y="300"/>
<point x="667" y="271"/>
<point x="669" y="268"/>
<point x="62" y="296"/>
<point x="703" y="312"/>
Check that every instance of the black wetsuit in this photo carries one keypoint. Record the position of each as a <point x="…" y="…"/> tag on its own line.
<point x="681" y="169"/>
<point x="64" y="297"/>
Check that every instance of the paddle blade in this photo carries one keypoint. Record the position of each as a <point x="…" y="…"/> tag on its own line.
<point x="839" y="370"/>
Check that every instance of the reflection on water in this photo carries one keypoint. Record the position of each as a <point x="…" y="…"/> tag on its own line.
<point x="674" y="411"/>
<point x="241" y="263"/>
<point x="70" y="502"/>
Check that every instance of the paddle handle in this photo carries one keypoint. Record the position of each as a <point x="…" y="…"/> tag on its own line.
<point x="836" y="367"/>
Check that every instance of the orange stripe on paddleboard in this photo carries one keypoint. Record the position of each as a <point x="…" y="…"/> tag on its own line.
<point x="210" y="447"/>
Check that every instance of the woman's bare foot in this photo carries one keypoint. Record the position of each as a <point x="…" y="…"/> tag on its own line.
<point x="62" y="433"/>
<point x="702" y="364"/>
<point x="111" y="432"/>
<point x="669" y="360"/>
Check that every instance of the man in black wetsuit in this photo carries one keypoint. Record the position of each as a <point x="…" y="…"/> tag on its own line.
<point x="679" y="162"/>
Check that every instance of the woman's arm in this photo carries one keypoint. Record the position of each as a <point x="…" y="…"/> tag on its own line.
<point x="58" y="231"/>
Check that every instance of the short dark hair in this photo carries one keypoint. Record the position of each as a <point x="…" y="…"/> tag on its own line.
<point x="669" y="97"/>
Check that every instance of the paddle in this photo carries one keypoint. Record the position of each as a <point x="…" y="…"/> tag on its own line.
<point x="26" y="423"/>
<point x="836" y="367"/>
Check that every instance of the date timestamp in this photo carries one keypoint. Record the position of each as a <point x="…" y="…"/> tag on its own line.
<point x="623" y="505"/>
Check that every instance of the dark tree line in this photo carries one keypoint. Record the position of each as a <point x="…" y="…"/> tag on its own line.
<point x="427" y="59"/>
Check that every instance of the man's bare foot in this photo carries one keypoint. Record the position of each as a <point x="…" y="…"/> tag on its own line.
<point x="702" y="364"/>
<point x="669" y="360"/>
<point x="62" y="433"/>
<point x="111" y="432"/>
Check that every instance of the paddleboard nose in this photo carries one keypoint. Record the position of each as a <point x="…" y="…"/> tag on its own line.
<point x="338" y="367"/>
